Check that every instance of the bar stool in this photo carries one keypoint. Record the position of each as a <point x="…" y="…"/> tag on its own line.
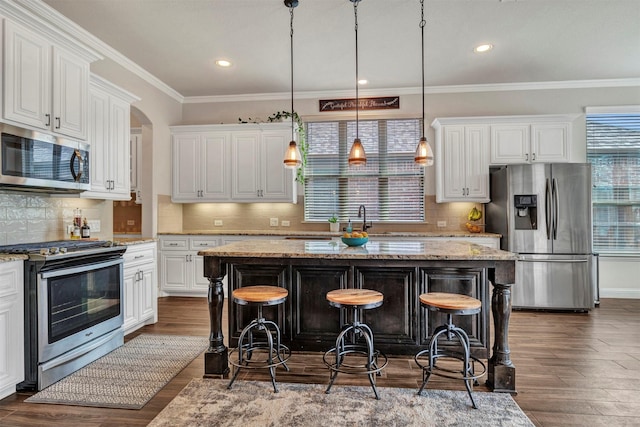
<point x="347" y="341"/>
<point x="276" y="354"/>
<point x="450" y="304"/>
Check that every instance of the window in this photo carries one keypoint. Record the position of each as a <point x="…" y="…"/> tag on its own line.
<point x="390" y="185"/>
<point x="613" y="149"/>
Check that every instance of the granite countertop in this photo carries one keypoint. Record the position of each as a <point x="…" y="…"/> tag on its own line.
<point x="128" y="241"/>
<point x="334" y="249"/>
<point x="13" y="257"/>
<point x="280" y="232"/>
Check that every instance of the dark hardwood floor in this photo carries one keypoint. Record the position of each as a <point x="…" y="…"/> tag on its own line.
<point x="572" y="370"/>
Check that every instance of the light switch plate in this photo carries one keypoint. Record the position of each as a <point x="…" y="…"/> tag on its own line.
<point x="285" y="223"/>
<point x="273" y="222"/>
<point x="442" y="223"/>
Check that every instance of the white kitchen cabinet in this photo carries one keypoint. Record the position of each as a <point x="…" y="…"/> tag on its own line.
<point x="11" y="326"/>
<point x="258" y="171"/>
<point x="109" y="132"/>
<point x="135" y="162"/>
<point x="519" y="143"/>
<point x="201" y="167"/>
<point x="231" y="163"/>
<point x="45" y="85"/>
<point x="181" y="268"/>
<point x="140" y="296"/>
<point x="462" y="162"/>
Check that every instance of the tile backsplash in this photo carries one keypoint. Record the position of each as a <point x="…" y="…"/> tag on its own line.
<point x="256" y="216"/>
<point x="35" y="217"/>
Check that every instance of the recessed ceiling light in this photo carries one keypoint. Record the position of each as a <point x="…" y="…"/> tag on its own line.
<point x="223" y="63"/>
<point x="363" y="81"/>
<point x="483" y="48"/>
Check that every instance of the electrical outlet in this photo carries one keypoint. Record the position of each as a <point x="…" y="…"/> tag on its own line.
<point x="94" y="225"/>
<point x="285" y="223"/>
<point x="273" y="222"/>
<point x="442" y="223"/>
<point x="217" y="222"/>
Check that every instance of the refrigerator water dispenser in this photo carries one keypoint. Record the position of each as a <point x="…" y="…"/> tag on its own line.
<point x="526" y="211"/>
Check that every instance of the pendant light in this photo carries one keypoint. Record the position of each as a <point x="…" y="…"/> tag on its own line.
<point x="424" y="154"/>
<point x="292" y="157"/>
<point x="357" y="156"/>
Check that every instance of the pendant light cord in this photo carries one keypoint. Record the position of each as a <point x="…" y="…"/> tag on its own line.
<point x="355" y="14"/>
<point x="422" y="25"/>
<point x="291" y="37"/>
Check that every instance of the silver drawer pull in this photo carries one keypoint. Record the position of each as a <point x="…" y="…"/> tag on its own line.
<point x="138" y="256"/>
<point x="173" y="244"/>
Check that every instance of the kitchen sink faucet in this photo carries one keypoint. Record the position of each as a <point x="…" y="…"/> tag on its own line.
<point x="362" y="213"/>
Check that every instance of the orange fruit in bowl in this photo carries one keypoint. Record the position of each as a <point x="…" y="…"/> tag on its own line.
<point x="347" y="235"/>
<point x="364" y="234"/>
<point x="356" y="234"/>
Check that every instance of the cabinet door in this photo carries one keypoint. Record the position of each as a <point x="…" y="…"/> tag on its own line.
<point x="550" y="142"/>
<point x="277" y="181"/>
<point x="70" y="94"/>
<point x="199" y="283"/>
<point x="453" y="172"/>
<point x="148" y="292"/>
<point x="27" y="77"/>
<point x="215" y="166"/>
<point x="135" y="143"/>
<point x="509" y="144"/>
<point x="186" y="168"/>
<point x="119" y="145"/>
<point x="245" y="160"/>
<point x="477" y="163"/>
<point x="11" y="327"/>
<point x="130" y="298"/>
<point x="99" y="140"/>
<point x="175" y="271"/>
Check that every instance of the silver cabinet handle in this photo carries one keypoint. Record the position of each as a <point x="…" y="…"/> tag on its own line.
<point x="173" y="244"/>
<point x="533" y="157"/>
<point x="138" y="256"/>
<point x="58" y="121"/>
<point x="526" y="157"/>
<point x="48" y="116"/>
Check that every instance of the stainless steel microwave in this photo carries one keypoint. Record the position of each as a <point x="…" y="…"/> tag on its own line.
<point x="37" y="161"/>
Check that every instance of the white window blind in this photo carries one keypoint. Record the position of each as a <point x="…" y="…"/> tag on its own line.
<point x="613" y="149"/>
<point x="390" y="185"/>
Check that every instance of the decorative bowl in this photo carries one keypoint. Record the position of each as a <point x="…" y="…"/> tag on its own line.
<point x="355" y="241"/>
<point x="475" y="228"/>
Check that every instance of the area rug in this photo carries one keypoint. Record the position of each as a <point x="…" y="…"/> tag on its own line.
<point x="129" y="376"/>
<point x="207" y="402"/>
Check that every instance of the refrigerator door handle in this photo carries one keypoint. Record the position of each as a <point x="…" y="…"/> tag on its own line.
<point x="556" y="209"/>
<point x="571" y="261"/>
<point x="547" y="208"/>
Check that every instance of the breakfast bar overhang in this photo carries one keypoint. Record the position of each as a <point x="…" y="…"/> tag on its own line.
<point x="400" y="270"/>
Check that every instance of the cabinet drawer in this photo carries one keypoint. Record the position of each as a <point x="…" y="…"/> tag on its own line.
<point x="198" y="243"/>
<point x="138" y="255"/>
<point x="175" y="244"/>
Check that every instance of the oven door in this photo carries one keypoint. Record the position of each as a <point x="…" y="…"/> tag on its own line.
<point x="78" y="304"/>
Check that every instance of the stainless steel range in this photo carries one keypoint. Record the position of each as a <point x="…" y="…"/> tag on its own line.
<point x="73" y="306"/>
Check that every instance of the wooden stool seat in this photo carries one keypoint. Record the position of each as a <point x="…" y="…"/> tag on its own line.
<point x="260" y="294"/>
<point x="358" y="298"/>
<point x="454" y="303"/>
<point x="451" y="305"/>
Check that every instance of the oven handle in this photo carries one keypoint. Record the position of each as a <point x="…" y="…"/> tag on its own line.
<point x="81" y="268"/>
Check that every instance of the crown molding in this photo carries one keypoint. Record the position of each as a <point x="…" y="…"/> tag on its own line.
<point x="55" y="23"/>
<point x="494" y="87"/>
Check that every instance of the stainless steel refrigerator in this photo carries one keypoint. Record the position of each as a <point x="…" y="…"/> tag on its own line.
<point x="543" y="212"/>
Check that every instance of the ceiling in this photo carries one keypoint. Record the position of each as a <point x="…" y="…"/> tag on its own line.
<point x="177" y="41"/>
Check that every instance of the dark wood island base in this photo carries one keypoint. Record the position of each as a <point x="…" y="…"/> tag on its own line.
<point x="401" y="271"/>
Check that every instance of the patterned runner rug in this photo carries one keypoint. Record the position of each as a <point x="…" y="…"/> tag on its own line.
<point x="207" y="402"/>
<point x="129" y="376"/>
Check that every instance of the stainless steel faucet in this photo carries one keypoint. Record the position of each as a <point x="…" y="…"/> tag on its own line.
<point x="362" y="213"/>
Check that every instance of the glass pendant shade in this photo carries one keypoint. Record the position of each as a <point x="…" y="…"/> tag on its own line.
<point x="292" y="157"/>
<point x="357" y="156"/>
<point x="424" y="154"/>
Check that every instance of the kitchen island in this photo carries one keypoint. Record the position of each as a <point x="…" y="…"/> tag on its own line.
<point x="401" y="270"/>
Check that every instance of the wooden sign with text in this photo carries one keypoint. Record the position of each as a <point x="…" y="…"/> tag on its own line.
<point x="384" y="103"/>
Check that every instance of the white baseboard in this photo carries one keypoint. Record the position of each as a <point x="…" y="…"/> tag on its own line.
<point x="620" y="293"/>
